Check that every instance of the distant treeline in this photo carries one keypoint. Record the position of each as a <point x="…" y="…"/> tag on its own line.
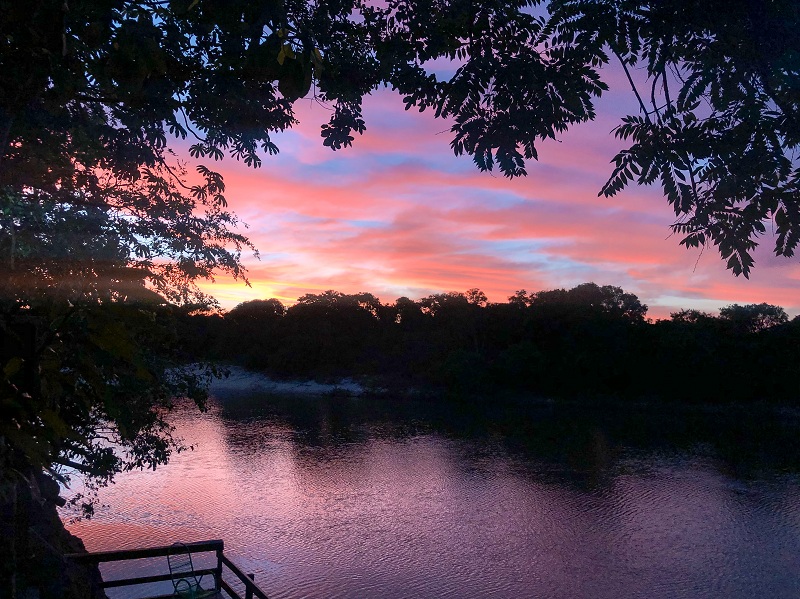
<point x="583" y="342"/>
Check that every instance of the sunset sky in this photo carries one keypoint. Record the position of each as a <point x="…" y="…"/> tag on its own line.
<point x="398" y="215"/>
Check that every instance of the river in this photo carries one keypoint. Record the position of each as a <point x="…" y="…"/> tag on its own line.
<point x="343" y="497"/>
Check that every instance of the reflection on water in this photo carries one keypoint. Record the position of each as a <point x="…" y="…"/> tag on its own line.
<point x="333" y="497"/>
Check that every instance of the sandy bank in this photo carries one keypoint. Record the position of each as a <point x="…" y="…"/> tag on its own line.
<point x="245" y="381"/>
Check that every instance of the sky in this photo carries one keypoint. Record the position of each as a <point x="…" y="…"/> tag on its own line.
<point x="398" y="215"/>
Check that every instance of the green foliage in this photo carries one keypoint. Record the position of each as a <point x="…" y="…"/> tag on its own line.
<point x="88" y="339"/>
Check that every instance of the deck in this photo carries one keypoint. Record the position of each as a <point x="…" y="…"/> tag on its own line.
<point x="225" y="573"/>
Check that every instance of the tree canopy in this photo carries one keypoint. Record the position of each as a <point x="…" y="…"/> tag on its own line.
<point x="96" y="209"/>
<point x="102" y="86"/>
<point x="588" y="299"/>
<point x="754" y="317"/>
<point x="587" y="341"/>
<point x="87" y="348"/>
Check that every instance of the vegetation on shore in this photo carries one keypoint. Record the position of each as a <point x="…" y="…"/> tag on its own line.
<point x="589" y="341"/>
<point x="104" y="233"/>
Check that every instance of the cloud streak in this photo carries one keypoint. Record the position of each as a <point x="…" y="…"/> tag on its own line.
<point x="398" y="214"/>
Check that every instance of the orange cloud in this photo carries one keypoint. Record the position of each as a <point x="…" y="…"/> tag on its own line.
<point x="398" y="214"/>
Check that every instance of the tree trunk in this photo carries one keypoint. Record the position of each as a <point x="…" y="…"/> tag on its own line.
<point x="33" y="542"/>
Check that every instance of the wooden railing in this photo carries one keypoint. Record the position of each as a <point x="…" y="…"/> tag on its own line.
<point x="252" y="591"/>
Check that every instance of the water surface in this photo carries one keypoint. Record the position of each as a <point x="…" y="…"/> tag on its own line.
<point x="360" y="497"/>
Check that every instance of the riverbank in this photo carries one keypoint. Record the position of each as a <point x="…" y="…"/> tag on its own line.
<point x="242" y="381"/>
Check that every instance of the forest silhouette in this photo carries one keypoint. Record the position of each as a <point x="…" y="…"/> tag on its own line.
<point x="588" y="342"/>
<point x="105" y="233"/>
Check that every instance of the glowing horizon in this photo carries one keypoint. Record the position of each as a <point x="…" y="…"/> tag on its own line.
<point x="398" y="215"/>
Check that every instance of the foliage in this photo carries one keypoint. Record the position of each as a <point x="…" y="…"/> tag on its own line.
<point x="719" y="121"/>
<point x="590" y="299"/>
<point x="256" y="312"/>
<point x="104" y="84"/>
<point x="87" y="394"/>
<point x="88" y="353"/>
<point x="754" y="317"/>
<point x="691" y="316"/>
<point x="88" y="349"/>
<point x="250" y="330"/>
<point x="327" y="332"/>
<point x="106" y="241"/>
<point x="718" y="125"/>
<point x="587" y="341"/>
<point x="97" y="213"/>
<point x="100" y="227"/>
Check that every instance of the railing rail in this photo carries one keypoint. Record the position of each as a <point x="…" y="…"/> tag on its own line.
<point x="252" y="590"/>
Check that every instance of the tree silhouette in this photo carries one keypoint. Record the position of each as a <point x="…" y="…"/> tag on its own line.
<point x="753" y="318"/>
<point x="257" y="312"/>
<point x="104" y="84"/>
<point x="586" y="342"/>
<point x="587" y="300"/>
<point x="87" y="346"/>
<point x="718" y="121"/>
<point x="91" y="92"/>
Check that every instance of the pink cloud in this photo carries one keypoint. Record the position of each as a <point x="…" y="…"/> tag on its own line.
<point x="399" y="215"/>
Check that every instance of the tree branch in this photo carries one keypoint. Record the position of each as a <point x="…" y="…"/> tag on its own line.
<point x="633" y="86"/>
<point x="189" y="127"/>
<point x="75" y="466"/>
<point x="653" y="97"/>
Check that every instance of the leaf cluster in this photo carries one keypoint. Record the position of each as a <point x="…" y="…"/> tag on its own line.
<point x="104" y="84"/>
<point x="83" y="393"/>
<point x="719" y="116"/>
<point x="88" y="284"/>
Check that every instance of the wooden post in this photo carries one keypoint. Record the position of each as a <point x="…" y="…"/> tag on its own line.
<point x="248" y="594"/>
<point x="218" y="571"/>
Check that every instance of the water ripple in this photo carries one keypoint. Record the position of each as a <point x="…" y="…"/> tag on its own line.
<point x="366" y="507"/>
